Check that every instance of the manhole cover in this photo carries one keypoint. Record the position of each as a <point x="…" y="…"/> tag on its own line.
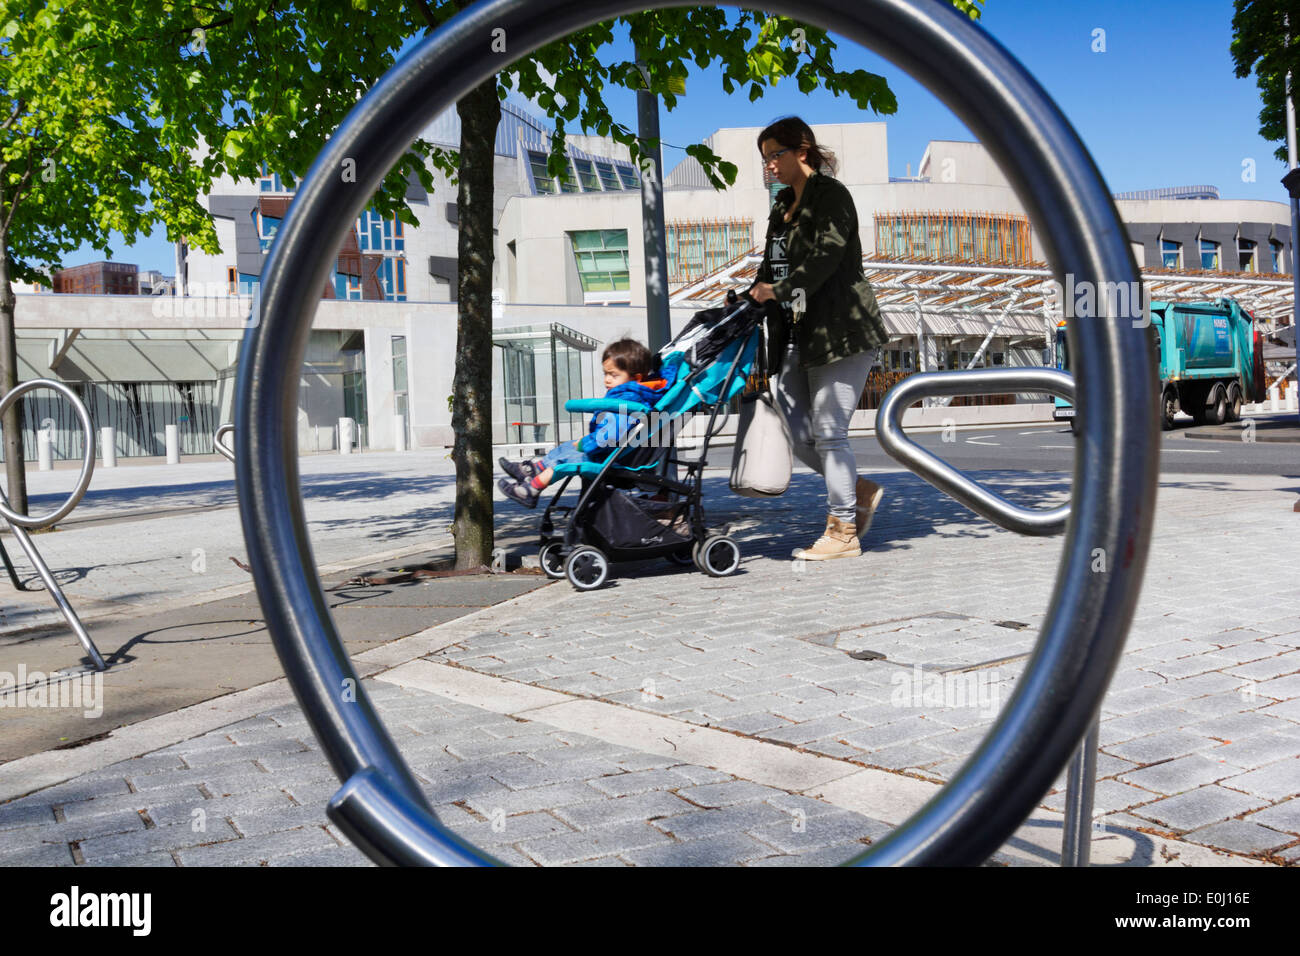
<point x="940" y="640"/>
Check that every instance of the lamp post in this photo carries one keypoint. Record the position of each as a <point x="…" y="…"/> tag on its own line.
<point x="1292" y="183"/>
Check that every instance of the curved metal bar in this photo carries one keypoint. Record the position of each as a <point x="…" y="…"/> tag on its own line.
<point x="87" y="458"/>
<point x="222" y="450"/>
<point x="1114" y="474"/>
<point x="18" y="524"/>
<point x="59" y="598"/>
<point x="993" y="381"/>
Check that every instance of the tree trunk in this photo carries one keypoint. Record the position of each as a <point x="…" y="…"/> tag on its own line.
<point x="471" y="409"/>
<point x="11" y="425"/>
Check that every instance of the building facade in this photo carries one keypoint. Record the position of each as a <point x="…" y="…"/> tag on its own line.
<point x="569" y="265"/>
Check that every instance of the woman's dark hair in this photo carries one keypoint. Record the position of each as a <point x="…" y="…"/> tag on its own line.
<point x="630" y="356"/>
<point x="792" y="132"/>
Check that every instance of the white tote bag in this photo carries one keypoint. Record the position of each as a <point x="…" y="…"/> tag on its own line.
<point x="760" y="467"/>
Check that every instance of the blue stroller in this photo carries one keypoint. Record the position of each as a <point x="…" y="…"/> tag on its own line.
<point x="633" y="505"/>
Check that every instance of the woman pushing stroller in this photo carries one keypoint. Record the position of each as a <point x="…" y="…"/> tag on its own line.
<point x="824" y="336"/>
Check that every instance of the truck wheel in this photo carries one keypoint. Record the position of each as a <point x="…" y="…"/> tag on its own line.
<point x="1217" y="410"/>
<point x="1234" y="403"/>
<point x="1168" y="409"/>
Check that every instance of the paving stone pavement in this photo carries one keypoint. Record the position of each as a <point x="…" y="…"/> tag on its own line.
<point x="1202" y="724"/>
<point x="253" y="794"/>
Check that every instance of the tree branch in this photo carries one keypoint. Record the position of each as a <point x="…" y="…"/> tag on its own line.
<point x="422" y="7"/>
<point x="9" y="121"/>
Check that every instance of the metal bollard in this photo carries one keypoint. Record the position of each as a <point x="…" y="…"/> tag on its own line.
<point x="108" y="446"/>
<point x="44" y="452"/>
<point x="399" y="433"/>
<point x="173" y="445"/>
<point x="345" y="436"/>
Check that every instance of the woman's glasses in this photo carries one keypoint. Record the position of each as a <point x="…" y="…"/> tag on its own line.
<point x="771" y="158"/>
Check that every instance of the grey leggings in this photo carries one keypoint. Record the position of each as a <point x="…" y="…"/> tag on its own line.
<point x="818" y="403"/>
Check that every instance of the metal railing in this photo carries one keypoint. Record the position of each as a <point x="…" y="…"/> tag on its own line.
<point x="381" y="806"/>
<point x="19" y="524"/>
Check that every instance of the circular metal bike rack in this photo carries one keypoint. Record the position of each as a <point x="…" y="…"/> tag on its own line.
<point x="20" y="524"/>
<point x="380" y="805"/>
<point x="87" y="457"/>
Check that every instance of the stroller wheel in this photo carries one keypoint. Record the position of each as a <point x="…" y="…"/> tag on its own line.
<point x="718" y="556"/>
<point x="586" y="568"/>
<point x="551" y="560"/>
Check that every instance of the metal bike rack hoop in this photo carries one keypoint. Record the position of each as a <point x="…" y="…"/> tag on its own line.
<point x="87" y="457"/>
<point x="222" y="449"/>
<point x="381" y="807"/>
<point x="990" y="381"/>
<point x="19" y="523"/>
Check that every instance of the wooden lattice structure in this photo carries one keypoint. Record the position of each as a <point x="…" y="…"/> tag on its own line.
<point x="699" y="247"/>
<point x="990" y="238"/>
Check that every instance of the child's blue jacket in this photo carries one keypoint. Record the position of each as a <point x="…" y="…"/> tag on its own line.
<point x="607" y="428"/>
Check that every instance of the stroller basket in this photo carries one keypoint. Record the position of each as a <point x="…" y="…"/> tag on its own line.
<point x="626" y="521"/>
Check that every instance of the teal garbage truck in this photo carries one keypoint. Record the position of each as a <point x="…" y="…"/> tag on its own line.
<point x="1209" y="358"/>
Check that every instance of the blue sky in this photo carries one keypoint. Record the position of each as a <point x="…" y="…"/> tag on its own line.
<point x="1160" y="107"/>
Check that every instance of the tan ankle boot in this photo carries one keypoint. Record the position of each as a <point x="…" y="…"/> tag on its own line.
<point x="839" y="540"/>
<point x="869" y="495"/>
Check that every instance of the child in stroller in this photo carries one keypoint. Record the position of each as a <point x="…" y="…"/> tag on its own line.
<point x="627" y="365"/>
<point x="634" y="503"/>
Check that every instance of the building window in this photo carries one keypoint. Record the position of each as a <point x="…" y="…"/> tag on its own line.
<point x="1171" y="254"/>
<point x="628" y="175"/>
<point x="267" y="226"/>
<point x="232" y="280"/>
<point x="601" y="256"/>
<point x="377" y="234"/>
<point x="567" y="183"/>
<point x="990" y="238"/>
<point x="399" y="363"/>
<point x="608" y="178"/>
<point x="543" y="182"/>
<point x="587" y="175"/>
<point x="898" y="360"/>
<point x="1209" y="254"/>
<point x="270" y="182"/>
<point x="1276" y="248"/>
<point x="1246" y="256"/>
<point x="697" y="248"/>
<point x="392" y="277"/>
<point x="346" y="286"/>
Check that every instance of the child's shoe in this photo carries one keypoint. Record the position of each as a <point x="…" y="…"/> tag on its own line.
<point x="518" y="470"/>
<point x="520" y="491"/>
